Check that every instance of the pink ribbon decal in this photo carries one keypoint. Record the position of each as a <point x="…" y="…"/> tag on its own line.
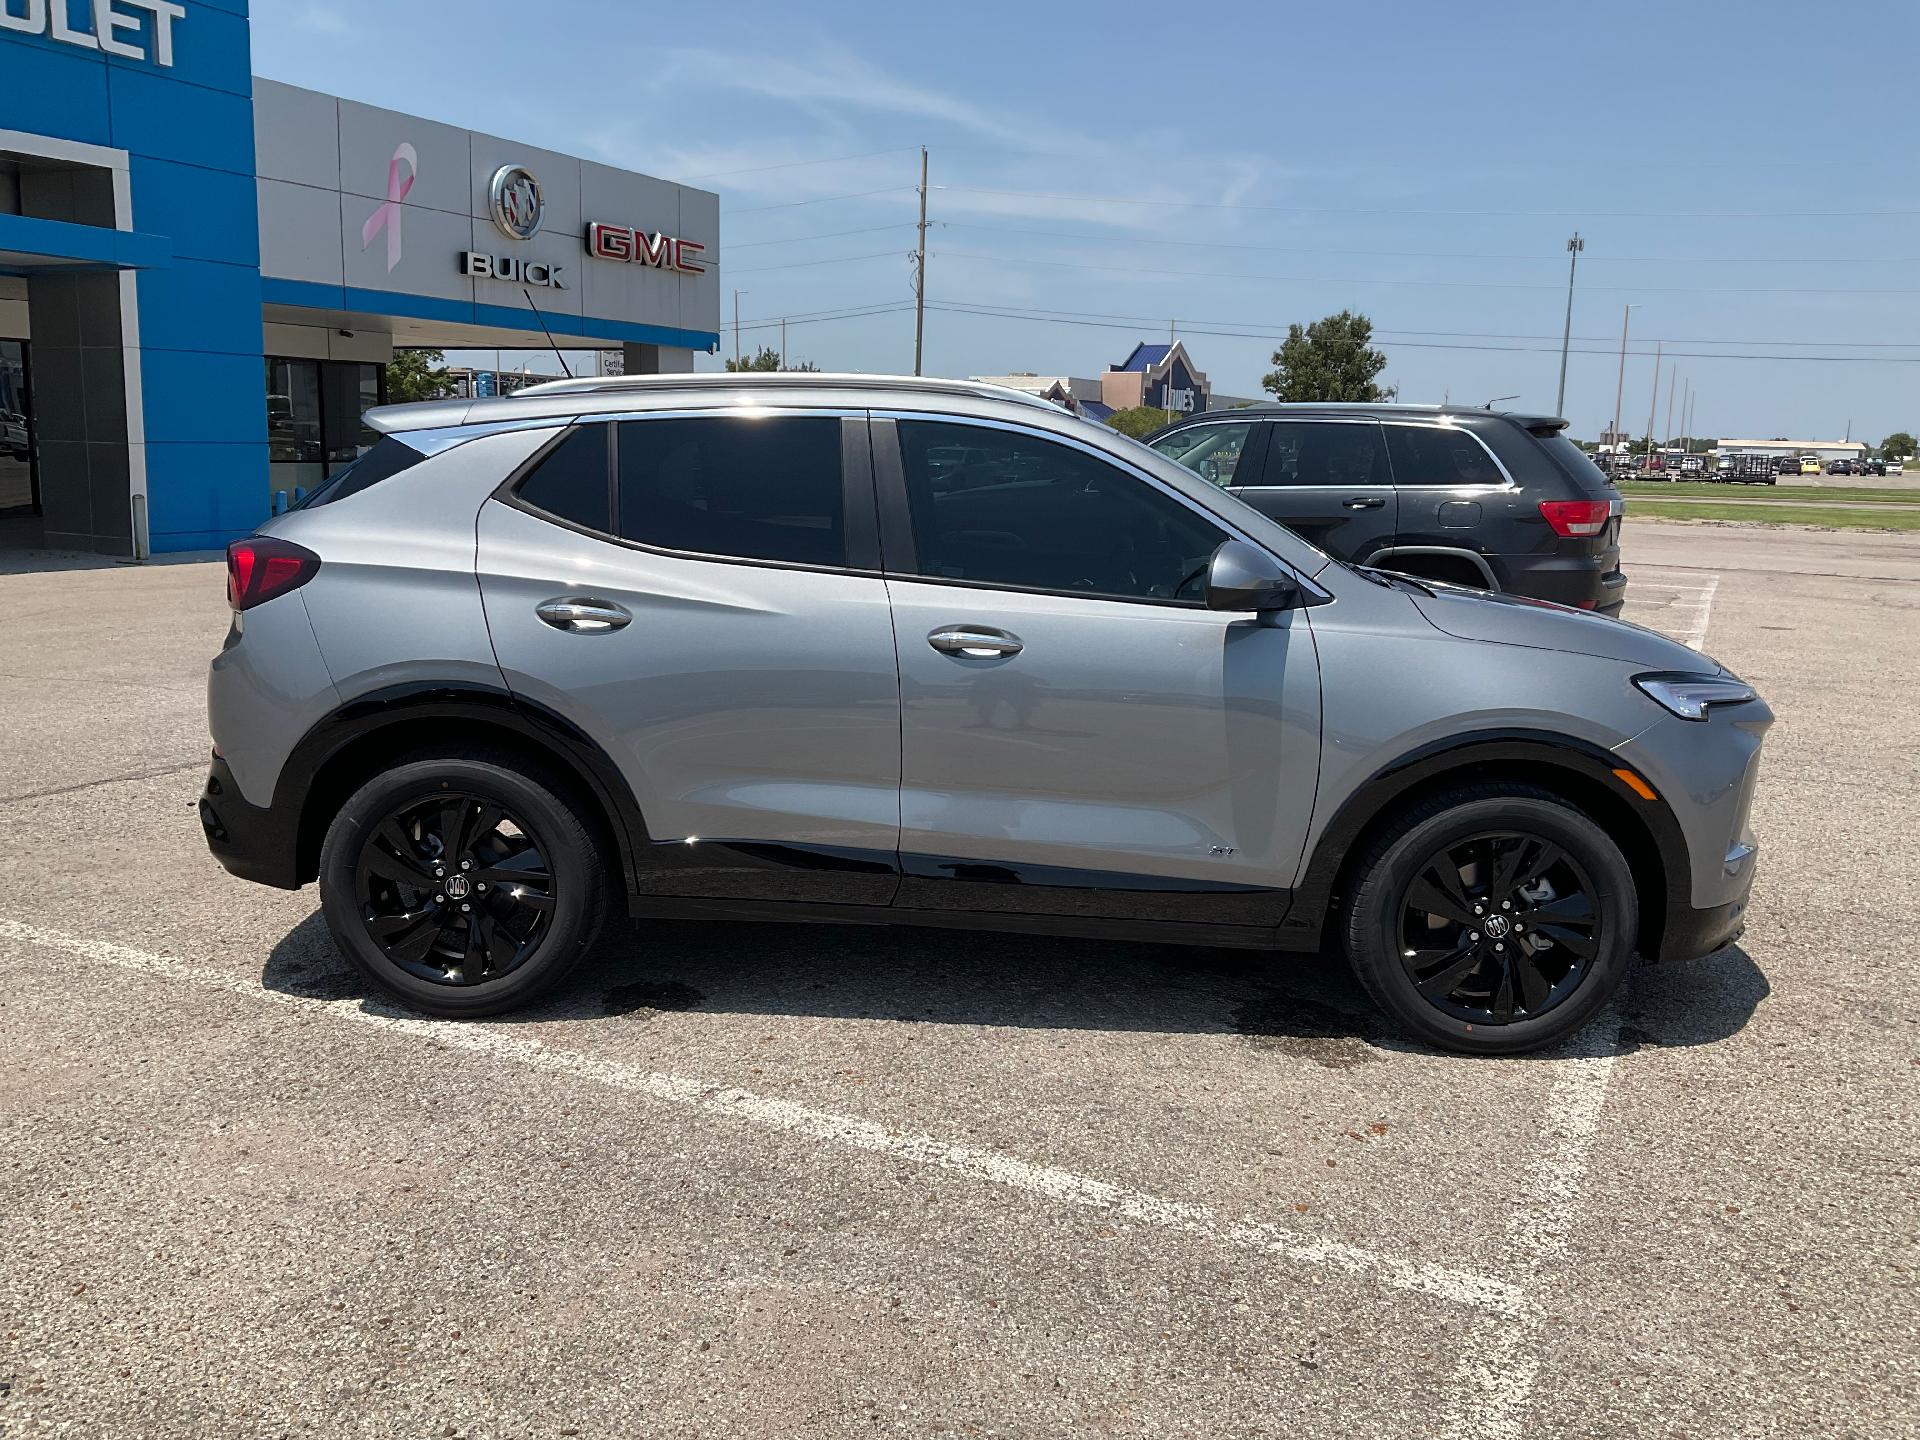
<point x="387" y="217"/>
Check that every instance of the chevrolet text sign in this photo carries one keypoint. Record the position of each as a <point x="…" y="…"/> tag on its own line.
<point x="130" y="29"/>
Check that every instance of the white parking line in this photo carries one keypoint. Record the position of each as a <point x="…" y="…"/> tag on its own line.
<point x="1492" y="1384"/>
<point x="1481" y="1293"/>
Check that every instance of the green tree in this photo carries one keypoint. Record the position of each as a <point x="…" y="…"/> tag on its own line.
<point x="417" y="375"/>
<point x="769" y="358"/>
<point x="1898" y="443"/>
<point x="1331" y="359"/>
<point x="1138" y="420"/>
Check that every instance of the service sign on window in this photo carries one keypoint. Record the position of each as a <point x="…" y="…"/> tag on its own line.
<point x="130" y="29"/>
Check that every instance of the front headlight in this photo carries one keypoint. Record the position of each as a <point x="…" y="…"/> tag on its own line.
<point x="1690" y="696"/>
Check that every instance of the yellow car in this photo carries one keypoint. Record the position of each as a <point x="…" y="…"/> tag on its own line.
<point x="1809" y="465"/>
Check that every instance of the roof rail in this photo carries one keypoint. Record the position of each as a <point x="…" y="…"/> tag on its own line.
<point x="779" y="380"/>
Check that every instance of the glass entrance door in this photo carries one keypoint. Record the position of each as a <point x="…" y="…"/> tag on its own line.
<point x="19" y="481"/>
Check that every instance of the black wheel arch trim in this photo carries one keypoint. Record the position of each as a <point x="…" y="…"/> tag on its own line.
<point x="301" y="804"/>
<point x="1385" y="553"/>
<point x="1473" y="756"/>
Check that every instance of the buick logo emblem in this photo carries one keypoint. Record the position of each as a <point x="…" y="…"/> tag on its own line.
<point x="516" y="202"/>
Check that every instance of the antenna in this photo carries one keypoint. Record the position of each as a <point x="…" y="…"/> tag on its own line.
<point x="564" y="369"/>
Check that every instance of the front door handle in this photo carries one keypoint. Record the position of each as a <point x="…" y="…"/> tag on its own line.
<point x="582" y="614"/>
<point x="976" y="642"/>
<point x="1364" y="502"/>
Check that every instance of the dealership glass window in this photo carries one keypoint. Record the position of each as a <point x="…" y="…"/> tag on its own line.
<point x="19" y="489"/>
<point x="1301" y="453"/>
<point x="752" y="489"/>
<point x="996" y="507"/>
<point x="1211" y="451"/>
<point x="315" y="424"/>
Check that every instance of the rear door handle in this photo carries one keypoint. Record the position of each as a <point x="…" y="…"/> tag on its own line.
<point x="977" y="642"/>
<point x="582" y="614"/>
<point x="1364" y="502"/>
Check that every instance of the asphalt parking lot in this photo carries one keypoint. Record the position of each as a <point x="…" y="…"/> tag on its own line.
<point x="812" y="1181"/>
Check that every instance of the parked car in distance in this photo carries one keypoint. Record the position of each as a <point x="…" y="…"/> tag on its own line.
<point x="1840" y="467"/>
<point x="869" y="650"/>
<point x="1489" y="500"/>
<point x="1895" y="467"/>
<point x="1871" y="467"/>
<point x="1787" y="465"/>
<point x="1809" y="465"/>
<point x="14" y="439"/>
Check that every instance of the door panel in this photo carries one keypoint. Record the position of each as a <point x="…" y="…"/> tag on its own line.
<point x="753" y="709"/>
<point x="1075" y="739"/>
<point x="1142" y="760"/>
<point x="1328" y="482"/>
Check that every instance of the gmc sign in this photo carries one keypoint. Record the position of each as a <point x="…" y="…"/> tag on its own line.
<point x="636" y="247"/>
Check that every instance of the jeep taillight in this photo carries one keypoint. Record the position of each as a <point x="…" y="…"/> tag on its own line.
<point x="1575" y="518"/>
<point x="261" y="567"/>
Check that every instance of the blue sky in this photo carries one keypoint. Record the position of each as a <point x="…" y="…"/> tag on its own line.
<point x="1421" y="163"/>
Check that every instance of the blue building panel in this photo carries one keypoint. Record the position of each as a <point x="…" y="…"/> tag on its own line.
<point x="210" y="214"/>
<point x="201" y="305"/>
<point x="52" y="89"/>
<point x="200" y="495"/>
<point x="155" y="116"/>
<point x="211" y="48"/>
<point x="192" y="395"/>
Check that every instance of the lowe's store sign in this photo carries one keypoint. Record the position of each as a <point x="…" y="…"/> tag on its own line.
<point x="130" y="29"/>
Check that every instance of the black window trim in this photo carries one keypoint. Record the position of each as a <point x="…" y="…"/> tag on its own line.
<point x="856" y="480"/>
<point x="1409" y="422"/>
<point x="898" y="556"/>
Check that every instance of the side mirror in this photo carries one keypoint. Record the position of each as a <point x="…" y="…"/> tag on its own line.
<point x="1240" y="577"/>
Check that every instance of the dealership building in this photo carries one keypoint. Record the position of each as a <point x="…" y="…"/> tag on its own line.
<point x="1163" y="376"/>
<point x="202" y="273"/>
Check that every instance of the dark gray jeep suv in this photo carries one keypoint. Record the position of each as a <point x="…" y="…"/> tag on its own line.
<point x="1486" y="499"/>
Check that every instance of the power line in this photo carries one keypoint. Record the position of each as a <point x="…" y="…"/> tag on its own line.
<point x="830" y="260"/>
<point x="1280" y="328"/>
<point x="1188" y="243"/>
<point x="893" y="307"/>
<point x="1188" y="328"/>
<point x="819" y="200"/>
<point x="792" y="165"/>
<point x="1418" y="284"/>
<point x="823" y="235"/>
<point x="1391" y="210"/>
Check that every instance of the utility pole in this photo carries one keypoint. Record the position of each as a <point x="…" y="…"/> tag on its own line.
<point x="783" y="343"/>
<point x="920" y="271"/>
<point x="1620" y="387"/>
<point x="736" y="329"/>
<point x="1574" y="247"/>
<point x="1672" y="376"/>
<point x="1653" y="403"/>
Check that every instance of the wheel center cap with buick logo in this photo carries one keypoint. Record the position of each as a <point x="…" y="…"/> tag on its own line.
<point x="457" y="887"/>
<point x="1497" y="926"/>
<point x="516" y="201"/>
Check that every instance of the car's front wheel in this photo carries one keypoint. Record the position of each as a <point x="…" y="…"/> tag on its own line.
<point x="464" y="883"/>
<point x="1493" y="919"/>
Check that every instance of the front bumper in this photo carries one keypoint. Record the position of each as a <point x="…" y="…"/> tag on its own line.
<point x="1690" y="933"/>
<point x="254" y="843"/>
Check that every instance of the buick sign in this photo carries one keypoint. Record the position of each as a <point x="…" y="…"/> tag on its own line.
<point x="516" y="201"/>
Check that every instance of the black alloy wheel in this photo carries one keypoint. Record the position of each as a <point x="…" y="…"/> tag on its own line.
<point x="454" y="889"/>
<point x="1499" y="927"/>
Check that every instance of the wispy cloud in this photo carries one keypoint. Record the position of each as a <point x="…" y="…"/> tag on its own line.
<point x="321" y="20"/>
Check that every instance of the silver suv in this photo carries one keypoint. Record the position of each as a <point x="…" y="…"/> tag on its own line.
<point x="851" y="649"/>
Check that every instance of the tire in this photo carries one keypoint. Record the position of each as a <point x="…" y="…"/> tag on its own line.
<point x="390" y="864"/>
<point x="1550" y="991"/>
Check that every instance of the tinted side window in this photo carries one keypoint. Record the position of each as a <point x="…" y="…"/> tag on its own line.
<point x="571" y="482"/>
<point x="1440" y="455"/>
<point x="1212" y="452"/>
<point x="1000" y="508"/>
<point x="1302" y="452"/>
<point x="388" y="457"/>
<point x="765" y="488"/>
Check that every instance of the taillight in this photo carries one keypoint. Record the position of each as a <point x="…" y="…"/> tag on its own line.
<point x="261" y="567"/>
<point x="1574" y="518"/>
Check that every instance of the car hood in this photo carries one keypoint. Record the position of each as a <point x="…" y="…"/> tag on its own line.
<point x="1542" y="625"/>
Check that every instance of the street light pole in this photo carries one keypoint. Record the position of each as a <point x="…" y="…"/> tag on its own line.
<point x="1574" y="247"/>
<point x="1653" y="404"/>
<point x="736" y="329"/>
<point x="920" y="270"/>
<point x="1620" y="387"/>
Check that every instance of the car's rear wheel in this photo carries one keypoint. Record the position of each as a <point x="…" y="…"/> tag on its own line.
<point x="1493" y="919"/>
<point x="463" y="884"/>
